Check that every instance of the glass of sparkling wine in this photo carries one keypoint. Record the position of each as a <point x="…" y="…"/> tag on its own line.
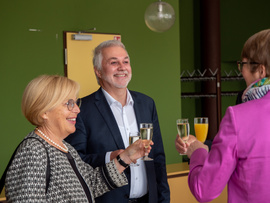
<point x="146" y="130"/>
<point x="133" y="137"/>
<point x="183" y="129"/>
<point x="201" y="128"/>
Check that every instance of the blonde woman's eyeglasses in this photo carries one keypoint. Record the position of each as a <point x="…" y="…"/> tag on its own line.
<point x="71" y="104"/>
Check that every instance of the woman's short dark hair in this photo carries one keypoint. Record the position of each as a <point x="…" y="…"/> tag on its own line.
<point x="257" y="49"/>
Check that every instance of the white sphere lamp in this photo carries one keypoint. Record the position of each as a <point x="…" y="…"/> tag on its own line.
<point x="159" y="16"/>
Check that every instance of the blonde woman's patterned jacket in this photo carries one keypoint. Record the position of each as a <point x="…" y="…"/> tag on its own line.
<point x="26" y="177"/>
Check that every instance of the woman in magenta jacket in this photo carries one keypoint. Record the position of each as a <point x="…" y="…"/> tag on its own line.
<point x="240" y="153"/>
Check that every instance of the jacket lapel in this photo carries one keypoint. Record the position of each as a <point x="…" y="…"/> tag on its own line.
<point x="137" y="108"/>
<point x="109" y="119"/>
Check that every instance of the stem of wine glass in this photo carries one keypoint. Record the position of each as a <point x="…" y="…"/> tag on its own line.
<point x="146" y="154"/>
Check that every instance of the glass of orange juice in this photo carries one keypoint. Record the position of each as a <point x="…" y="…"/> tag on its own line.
<point x="201" y="128"/>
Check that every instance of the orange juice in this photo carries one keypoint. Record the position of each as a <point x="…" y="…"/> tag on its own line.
<point x="201" y="130"/>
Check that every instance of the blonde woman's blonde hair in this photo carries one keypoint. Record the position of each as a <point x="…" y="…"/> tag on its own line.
<point x="45" y="93"/>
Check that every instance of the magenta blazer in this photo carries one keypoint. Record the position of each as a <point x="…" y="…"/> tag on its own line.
<point x="239" y="156"/>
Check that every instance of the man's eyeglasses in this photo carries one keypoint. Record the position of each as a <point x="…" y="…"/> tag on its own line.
<point x="71" y="104"/>
<point x="241" y="63"/>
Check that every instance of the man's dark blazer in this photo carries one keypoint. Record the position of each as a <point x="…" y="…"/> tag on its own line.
<point x="97" y="133"/>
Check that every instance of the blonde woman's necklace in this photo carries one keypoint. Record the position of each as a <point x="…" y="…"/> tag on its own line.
<point x="54" y="143"/>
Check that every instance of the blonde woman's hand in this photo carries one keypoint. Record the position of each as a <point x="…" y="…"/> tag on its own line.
<point x="137" y="150"/>
<point x="132" y="153"/>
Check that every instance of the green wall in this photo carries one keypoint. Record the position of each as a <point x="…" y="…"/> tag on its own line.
<point x="155" y="57"/>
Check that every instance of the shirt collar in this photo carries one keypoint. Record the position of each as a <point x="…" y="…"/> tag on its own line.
<point x="111" y="100"/>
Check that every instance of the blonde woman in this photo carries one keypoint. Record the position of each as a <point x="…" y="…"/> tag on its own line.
<point x="50" y="104"/>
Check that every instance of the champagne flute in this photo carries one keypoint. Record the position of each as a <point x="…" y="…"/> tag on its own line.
<point x="183" y="129"/>
<point x="201" y="128"/>
<point x="133" y="137"/>
<point x="146" y="130"/>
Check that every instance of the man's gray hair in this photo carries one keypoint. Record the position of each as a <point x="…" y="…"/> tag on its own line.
<point x="97" y="53"/>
